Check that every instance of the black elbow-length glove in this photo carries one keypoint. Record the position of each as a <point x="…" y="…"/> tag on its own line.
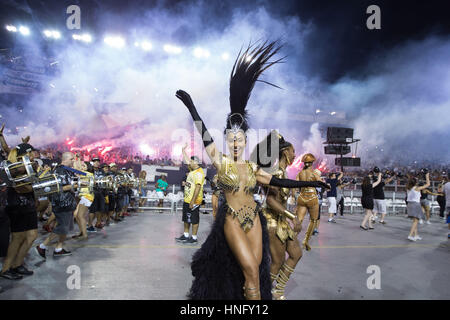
<point x="288" y="183"/>
<point x="186" y="99"/>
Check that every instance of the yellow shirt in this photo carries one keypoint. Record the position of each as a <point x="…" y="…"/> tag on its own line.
<point x="84" y="192"/>
<point x="194" y="177"/>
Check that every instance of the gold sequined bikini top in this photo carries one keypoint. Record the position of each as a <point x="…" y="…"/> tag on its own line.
<point x="228" y="176"/>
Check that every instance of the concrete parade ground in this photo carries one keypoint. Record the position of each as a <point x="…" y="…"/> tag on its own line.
<point x="138" y="258"/>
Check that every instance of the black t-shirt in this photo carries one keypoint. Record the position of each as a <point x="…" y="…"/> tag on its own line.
<point x="333" y="183"/>
<point x="24" y="202"/>
<point x="423" y="195"/>
<point x="63" y="201"/>
<point x="378" y="191"/>
<point x="367" y="191"/>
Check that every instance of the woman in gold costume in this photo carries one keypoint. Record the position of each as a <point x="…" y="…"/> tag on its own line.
<point x="307" y="200"/>
<point x="234" y="262"/>
<point x="282" y="236"/>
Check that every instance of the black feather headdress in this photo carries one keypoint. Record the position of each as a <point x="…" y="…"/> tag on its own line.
<point x="246" y="70"/>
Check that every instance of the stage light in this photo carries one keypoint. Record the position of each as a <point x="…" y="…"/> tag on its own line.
<point x="115" y="42"/>
<point x="146" y="46"/>
<point x="136" y="44"/>
<point x="86" y="37"/>
<point x="333" y="113"/>
<point x="172" y="49"/>
<point x="201" y="53"/>
<point x="11" y="28"/>
<point x="52" y="34"/>
<point x="24" y="31"/>
<point x="317" y="111"/>
<point x="82" y="37"/>
<point x="225" y="56"/>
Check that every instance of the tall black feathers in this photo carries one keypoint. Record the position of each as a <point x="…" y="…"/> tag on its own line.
<point x="246" y="70"/>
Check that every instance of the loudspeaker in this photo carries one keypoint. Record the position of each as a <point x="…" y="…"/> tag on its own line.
<point x="348" y="162"/>
<point x="339" y="135"/>
<point x="342" y="149"/>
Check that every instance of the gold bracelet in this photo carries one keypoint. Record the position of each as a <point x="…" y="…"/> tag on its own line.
<point x="289" y="214"/>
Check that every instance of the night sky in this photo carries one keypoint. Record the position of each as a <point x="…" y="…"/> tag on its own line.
<point x="344" y="44"/>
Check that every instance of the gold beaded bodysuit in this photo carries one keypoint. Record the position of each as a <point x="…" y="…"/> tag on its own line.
<point x="277" y="220"/>
<point x="228" y="181"/>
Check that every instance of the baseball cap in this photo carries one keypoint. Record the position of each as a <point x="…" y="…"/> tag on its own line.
<point x="24" y="148"/>
<point x="95" y="159"/>
<point x="112" y="165"/>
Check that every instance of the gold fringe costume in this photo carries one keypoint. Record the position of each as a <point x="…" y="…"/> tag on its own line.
<point x="276" y="220"/>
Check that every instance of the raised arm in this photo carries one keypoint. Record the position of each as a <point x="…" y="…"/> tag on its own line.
<point x="378" y="180"/>
<point x="186" y="158"/>
<point x="340" y="176"/>
<point x="388" y="180"/>
<point x="268" y="179"/>
<point x="3" y="143"/>
<point x="427" y="183"/>
<point x="208" y="142"/>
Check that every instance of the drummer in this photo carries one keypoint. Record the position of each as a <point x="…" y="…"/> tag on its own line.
<point x="21" y="210"/>
<point x="63" y="206"/>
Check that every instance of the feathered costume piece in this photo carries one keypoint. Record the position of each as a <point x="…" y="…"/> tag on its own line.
<point x="247" y="68"/>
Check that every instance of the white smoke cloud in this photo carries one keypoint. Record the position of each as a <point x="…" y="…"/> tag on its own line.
<point x="401" y="105"/>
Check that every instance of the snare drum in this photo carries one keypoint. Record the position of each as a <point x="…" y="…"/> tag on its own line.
<point x="83" y="182"/>
<point x="47" y="185"/>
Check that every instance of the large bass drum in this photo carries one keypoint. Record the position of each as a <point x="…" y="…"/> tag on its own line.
<point x="20" y="173"/>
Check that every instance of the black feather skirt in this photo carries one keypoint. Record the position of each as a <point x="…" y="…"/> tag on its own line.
<point x="217" y="274"/>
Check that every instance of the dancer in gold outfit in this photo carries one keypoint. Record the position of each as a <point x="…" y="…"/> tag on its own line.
<point x="234" y="262"/>
<point x="307" y="200"/>
<point x="282" y="236"/>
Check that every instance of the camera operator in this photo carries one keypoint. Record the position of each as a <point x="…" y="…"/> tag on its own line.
<point x="379" y="200"/>
<point x="340" y="195"/>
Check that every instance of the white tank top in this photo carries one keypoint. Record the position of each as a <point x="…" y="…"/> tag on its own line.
<point x="413" y="195"/>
